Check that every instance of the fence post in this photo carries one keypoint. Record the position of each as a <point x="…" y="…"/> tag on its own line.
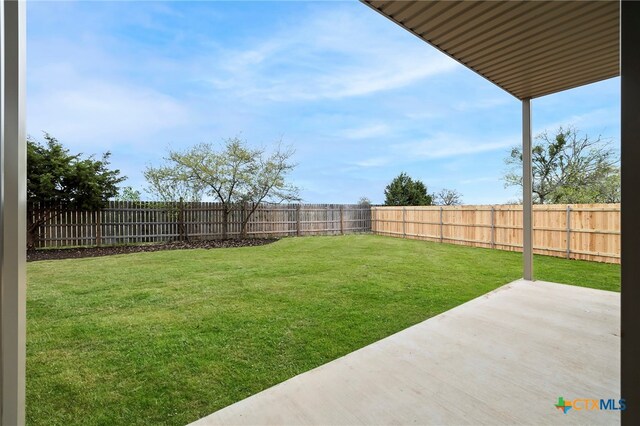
<point x="441" y="223"/>
<point x="298" y="220"/>
<point x="404" y="222"/>
<point x="326" y="223"/>
<point x="341" y="219"/>
<point x="372" y="220"/>
<point x="243" y="211"/>
<point x="98" y="221"/>
<point x="493" y="228"/>
<point x="180" y="219"/>
<point x="568" y="231"/>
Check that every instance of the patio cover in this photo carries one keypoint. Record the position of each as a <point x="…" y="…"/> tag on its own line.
<point x="530" y="49"/>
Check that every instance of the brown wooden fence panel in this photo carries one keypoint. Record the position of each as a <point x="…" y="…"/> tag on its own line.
<point x="123" y="222"/>
<point x="576" y="231"/>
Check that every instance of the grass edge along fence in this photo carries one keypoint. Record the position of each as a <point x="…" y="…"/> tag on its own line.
<point x="126" y="222"/>
<point x="574" y="231"/>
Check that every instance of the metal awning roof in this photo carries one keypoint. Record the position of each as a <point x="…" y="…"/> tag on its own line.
<point x="529" y="48"/>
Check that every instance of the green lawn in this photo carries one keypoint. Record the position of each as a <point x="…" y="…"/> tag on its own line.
<point x="168" y="337"/>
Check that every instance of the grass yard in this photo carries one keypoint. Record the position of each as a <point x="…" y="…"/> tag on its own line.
<point x="168" y="337"/>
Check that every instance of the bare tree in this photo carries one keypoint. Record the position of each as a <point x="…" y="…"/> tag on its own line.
<point x="364" y="202"/>
<point x="448" y="197"/>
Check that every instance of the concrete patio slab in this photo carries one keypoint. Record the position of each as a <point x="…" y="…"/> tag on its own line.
<point x="503" y="358"/>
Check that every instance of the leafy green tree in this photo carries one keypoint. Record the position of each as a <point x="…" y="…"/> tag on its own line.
<point x="233" y="174"/>
<point x="127" y="193"/>
<point x="404" y="191"/>
<point x="569" y="168"/>
<point x="58" y="180"/>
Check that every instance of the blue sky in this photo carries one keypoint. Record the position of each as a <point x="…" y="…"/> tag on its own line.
<point x="360" y="99"/>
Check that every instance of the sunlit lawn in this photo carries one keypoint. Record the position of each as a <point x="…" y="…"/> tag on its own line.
<point x="169" y="337"/>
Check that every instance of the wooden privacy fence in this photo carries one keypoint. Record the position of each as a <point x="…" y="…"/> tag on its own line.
<point x="147" y="222"/>
<point x="576" y="231"/>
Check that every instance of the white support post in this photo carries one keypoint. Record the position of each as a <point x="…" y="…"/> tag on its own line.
<point x="527" y="193"/>
<point x="13" y="194"/>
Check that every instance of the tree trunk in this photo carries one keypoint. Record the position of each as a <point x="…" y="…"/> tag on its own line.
<point x="32" y="236"/>
<point x="245" y="220"/>
<point x="181" y="227"/>
<point x="32" y="230"/>
<point x="225" y="221"/>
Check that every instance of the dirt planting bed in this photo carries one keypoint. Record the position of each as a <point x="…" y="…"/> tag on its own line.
<point x="78" y="252"/>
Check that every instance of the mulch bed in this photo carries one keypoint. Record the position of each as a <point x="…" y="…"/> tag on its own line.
<point x="78" y="252"/>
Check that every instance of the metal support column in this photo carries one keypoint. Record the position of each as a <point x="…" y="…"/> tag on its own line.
<point x="13" y="192"/>
<point x="527" y="193"/>
<point x="630" y="129"/>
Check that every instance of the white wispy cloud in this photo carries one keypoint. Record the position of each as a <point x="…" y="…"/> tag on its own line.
<point x="360" y="98"/>
<point x="598" y="119"/>
<point x="367" y="132"/>
<point x="373" y="162"/>
<point x="427" y="115"/>
<point x="333" y="54"/>
<point x="104" y="112"/>
<point x="480" y="180"/>
<point x="444" y="145"/>
<point x="483" y="103"/>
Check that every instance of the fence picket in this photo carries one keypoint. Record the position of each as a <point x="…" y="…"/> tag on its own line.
<point x="589" y="232"/>
<point x="576" y="231"/>
<point x="124" y="222"/>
